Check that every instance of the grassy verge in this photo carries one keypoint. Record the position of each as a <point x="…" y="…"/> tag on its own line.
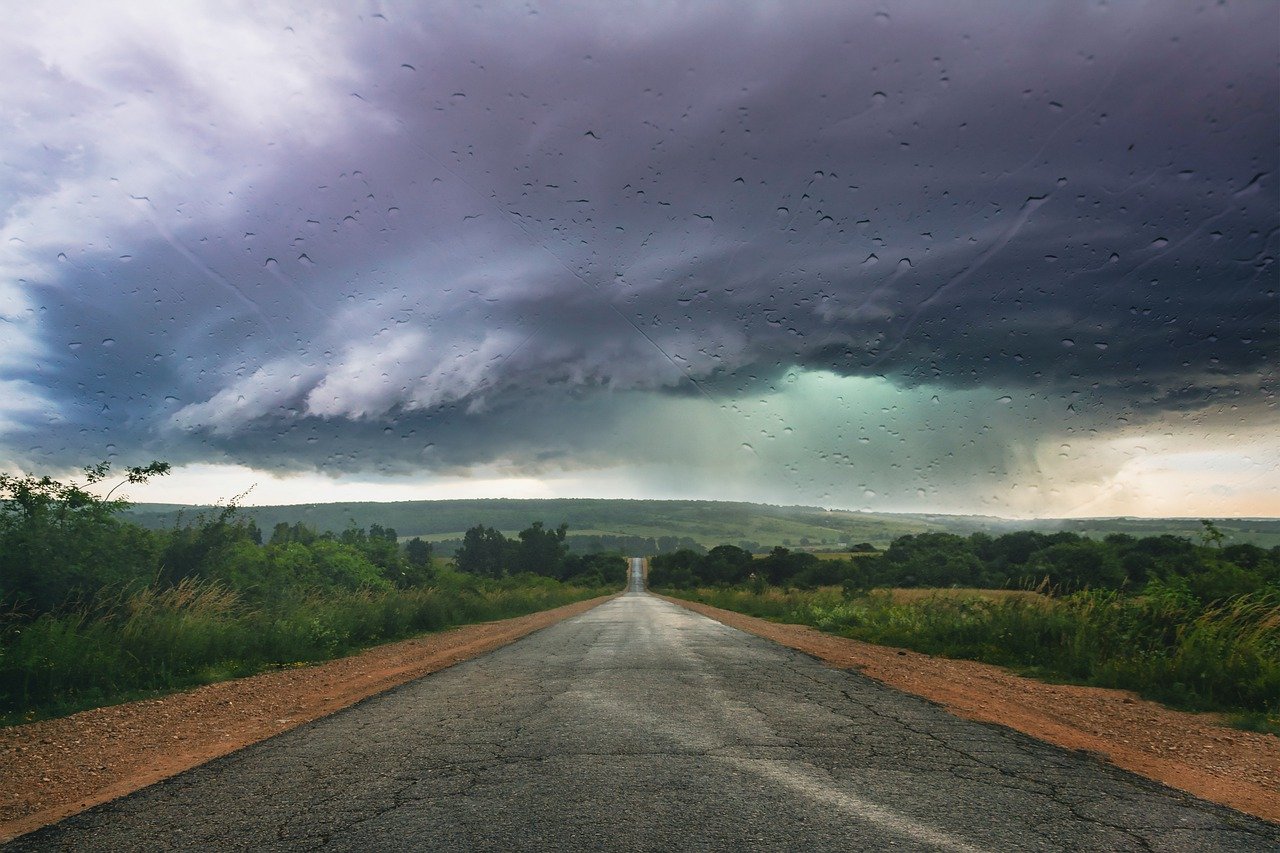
<point x="159" y="640"/>
<point x="1222" y="657"/>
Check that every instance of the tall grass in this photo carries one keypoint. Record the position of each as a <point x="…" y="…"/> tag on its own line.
<point x="194" y="633"/>
<point x="1222" y="656"/>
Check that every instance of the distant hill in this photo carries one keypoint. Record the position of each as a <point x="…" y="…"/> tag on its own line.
<point x="707" y="522"/>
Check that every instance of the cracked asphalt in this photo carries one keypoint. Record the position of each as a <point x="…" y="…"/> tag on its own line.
<point x="643" y="726"/>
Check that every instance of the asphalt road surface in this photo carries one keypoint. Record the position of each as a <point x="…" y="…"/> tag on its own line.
<point x="642" y="726"/>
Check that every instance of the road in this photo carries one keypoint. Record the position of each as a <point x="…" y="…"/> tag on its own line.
<point x="642" y="726"/>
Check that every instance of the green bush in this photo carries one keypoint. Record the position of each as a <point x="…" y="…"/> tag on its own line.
<point x="164" y="638"/>
<point x="1164" y="643"/>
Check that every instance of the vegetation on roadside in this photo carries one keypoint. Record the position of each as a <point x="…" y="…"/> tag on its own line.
<point x="1193" y="624"/>
<point x="1209" y="569"/>
<point x="196" y="632"/>
<point x="1163" y="644"/>
<point x="95" y="608"/>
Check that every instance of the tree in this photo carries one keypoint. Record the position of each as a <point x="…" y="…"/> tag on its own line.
<point x="674" y="569"/>
<point x="417" y="558"/>
<point x="725" y="564"/>
<point x="930" y="559"/>
<point x="296" y="532"/>
<point x="1211" y="535"/>
<point x="541" y="551"/>
<point x="485" y="551"/>
<point x="59" y="539"/>
<point x="782" y="565"/>
<point x="418" y="553"/>
<point x="198" y="549"/>
<point x="1075" y="565"/>
<point x="595" y="570"/>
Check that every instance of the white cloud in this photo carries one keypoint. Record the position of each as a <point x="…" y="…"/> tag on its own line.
<point x="266" y="391"/>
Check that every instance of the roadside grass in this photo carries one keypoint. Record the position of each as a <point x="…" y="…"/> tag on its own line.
<point x="1223" y="656"/>
<point x="160" y="640"/>
<point x="911" y="595"/>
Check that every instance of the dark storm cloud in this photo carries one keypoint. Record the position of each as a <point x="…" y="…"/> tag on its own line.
<point x="513" y="226"/>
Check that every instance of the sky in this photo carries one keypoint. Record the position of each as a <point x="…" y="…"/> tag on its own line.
<point x="1004" y="258"/>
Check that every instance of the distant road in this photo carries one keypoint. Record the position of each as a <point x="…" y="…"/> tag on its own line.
<point x="643" y="726"/>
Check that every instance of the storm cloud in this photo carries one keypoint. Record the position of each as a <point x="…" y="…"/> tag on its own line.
<point x="400" y="239"/>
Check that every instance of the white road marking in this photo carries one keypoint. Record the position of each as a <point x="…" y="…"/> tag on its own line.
<point x="852" y="805"/>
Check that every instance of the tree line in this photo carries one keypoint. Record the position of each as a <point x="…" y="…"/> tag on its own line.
<point x="63" y="546"/>
<point x="536" y="550"/>
<point x="1208" y="569"/>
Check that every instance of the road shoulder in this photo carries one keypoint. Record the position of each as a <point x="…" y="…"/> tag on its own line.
<point x="1190" y="752"/>
<point x="57" y="768"/>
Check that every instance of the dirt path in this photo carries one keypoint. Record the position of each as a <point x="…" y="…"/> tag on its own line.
<point x="1191" y="752"/>
<point x="55" y="768"/>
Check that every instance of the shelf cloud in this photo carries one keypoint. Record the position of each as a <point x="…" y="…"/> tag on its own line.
<point x="399" y="240"/>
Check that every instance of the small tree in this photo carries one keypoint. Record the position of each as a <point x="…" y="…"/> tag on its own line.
<point x="485" y="551"/>
<point x="542" y="551"/>
<point x="59" y="539"/>
<point x="417" y="558"/>
<point x="1211" y="535"/>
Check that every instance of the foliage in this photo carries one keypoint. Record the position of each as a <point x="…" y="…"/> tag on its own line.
<point x="485" y="552"/>
<point x="605" y="570"/>
<point x="1196" y="624"/>
<point x="537" y="550"/>
<point x="197" y="631"/>
<point x="1059" y="562"/>
<point x="60" y="540"/>
<point x="1165" y="643"/>
<point x="95" y="606"/>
